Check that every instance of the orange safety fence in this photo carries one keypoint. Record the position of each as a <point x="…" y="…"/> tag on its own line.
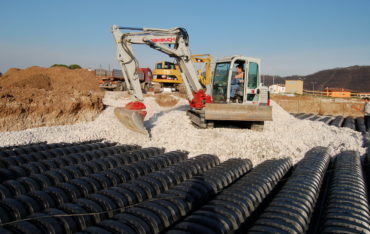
<point x="340" y="94"/>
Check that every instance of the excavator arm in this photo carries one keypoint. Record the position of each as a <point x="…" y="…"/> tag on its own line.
<point x="173" y="42"/>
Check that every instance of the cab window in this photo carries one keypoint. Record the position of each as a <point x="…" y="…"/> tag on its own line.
<point x="168" y="65"/>
<point x="252" y="75"/>
<point x="219" y="93"/>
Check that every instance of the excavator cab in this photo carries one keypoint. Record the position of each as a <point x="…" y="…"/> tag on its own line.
<point x="246" y="100"/>
<point x="225" y="89"/>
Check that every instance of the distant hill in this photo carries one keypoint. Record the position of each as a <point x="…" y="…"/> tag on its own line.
<point x="355" y="78"/>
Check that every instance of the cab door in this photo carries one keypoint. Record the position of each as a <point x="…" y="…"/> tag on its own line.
<point x="252" y="82"/>
<point x="220" y="82"/>
<point x="240" y="92"/>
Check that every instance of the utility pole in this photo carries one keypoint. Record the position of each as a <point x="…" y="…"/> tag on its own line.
<point x="313" y="87"/>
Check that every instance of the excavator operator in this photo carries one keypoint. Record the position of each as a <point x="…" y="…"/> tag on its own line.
<point x="236" y="81"/>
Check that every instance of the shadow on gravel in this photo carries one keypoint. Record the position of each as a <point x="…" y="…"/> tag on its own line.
<point x="150" y="123"/>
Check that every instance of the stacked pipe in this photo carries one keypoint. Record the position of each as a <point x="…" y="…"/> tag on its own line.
<point x="230" y="209"/>
<point x="116" y="199"/>
<point x="81" y="187"/>
<point x="347" y="209"/>
<point x="65" y="168"/>
<point x="25" y="164"/>
<point x="106" y="202"/>
<point x="360" y="125"/>
<point x="100" y="187"/>
<point x="357" y="124"/>
<point x="145" y="217"/>
<point x="349" y="122"/>
<point x="291" y="209"/>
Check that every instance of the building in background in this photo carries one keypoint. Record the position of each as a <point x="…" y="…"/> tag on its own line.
<point x="277" y="89"/>
<point x="294" y="86"/>
<point x="337" y="92"/>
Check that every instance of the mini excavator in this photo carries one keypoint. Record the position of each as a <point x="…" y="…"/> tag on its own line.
<point x="207" y="104"/>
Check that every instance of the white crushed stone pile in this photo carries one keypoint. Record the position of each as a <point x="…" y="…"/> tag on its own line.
<point x="171" y="128"/>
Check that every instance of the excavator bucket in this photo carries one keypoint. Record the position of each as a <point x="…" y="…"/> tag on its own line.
<point x="131" y="119"/>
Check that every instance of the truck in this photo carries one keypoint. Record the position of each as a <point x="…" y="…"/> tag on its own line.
<point x="115" y="81"/>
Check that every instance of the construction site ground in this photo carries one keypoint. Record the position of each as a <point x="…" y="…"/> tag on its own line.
<point x="170" y="127"/>
<point x="68" y="165"/>
<point x="320" y="105"/>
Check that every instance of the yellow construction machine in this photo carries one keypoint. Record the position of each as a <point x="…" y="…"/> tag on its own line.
<point x="204" y="76"/>
<point x="168" y="75"/>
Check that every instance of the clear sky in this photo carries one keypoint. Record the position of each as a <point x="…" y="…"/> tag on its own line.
<point x="290" y="36"/>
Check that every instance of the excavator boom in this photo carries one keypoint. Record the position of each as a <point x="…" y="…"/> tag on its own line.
<point x="173" y="42"/>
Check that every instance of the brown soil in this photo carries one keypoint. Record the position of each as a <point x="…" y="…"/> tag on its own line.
<point x="37" y="96"/>
<point x="320" y="105"/>
<point x="166" y="100"/>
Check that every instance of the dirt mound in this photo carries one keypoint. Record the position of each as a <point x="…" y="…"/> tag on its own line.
<point x="38" y="81"/>
<point x="38" y="96"/>
<point x="60" y="78"/>
<point x="166" y="100"/>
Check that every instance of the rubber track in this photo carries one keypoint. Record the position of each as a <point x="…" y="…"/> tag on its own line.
<point x="230" y="209"/>
<point x="291" y="208"/>
<point x="347" y="209"/>
<point x="59" y="194"/>
<point x="127" y="194"/>
<point x="75" y="167"/>
<point x="147" y="217"/>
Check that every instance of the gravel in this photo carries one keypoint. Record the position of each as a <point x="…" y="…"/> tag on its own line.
<point x="172" y="129"/>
